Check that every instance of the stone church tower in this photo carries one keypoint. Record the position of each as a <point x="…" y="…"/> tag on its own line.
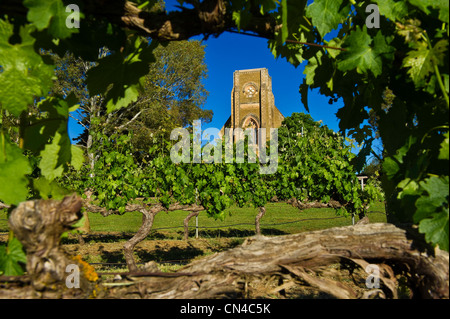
<point x="252" y="102"/>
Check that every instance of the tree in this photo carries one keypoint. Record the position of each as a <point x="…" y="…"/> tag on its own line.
<point x="373" y="168"/>
<point x="173" y="89"/>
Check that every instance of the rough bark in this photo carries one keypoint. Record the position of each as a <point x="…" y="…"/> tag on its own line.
<point x="84" y="229"/>
<point x="39" y="224"/>
<point x="142" y="233"/>
<point x="186" y="223"/>
<point x="299" y="260"/>
<point x="302" y="205"/>
<point x="262" y="212"/>
<point x="147" y="224"/>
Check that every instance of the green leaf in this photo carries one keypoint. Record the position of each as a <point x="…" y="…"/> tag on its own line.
<point x="336" y="43"/>
<point x="54" y="156"/>
<point x="267" y="5"/>
<point x="54" y="113"/>
<point x="326" y="15"/>
<point x="432" y="212"/>
<point x="50" y="14"/>
<point x="119" y="76"/>
<point x="304" y="94"/>
<point x="49" y="189"/>
<point x="420" y="60"/>
<point x="390" y="167"/>
<point x="10" y="258"/>
<point x="24" y="75"/>
<point x="77" y="157"/>
<point x="14" y="167"/>
<point x="393" y="10"/>
<point x="241" y="18"/>
<point x="437" y="189"/>
<point x="441" y="5"/>
<point x="444" y="151"/>
<point x="364" y="53"/>
<point x="310" y="69"/>
<point x="436" y="229"/>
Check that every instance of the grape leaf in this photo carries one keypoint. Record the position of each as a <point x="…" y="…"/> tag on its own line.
<point x="119" y="76"/>
<point x="24" y="75"/>
<point x="364" y="53"/>
<point x="14" y="167"/>
<point x="420" y="60"/>
<point x="54" y="114"/>
<point x="441" y="5"/>
<point x="57" y="154"/>
<point x="436" y="229"/>
<point x="437" y="189"/>
<point x="77" y="157"/>
<point x="310" y="69"/>
<point x="390" y="167"/>
<point x="47" y="189"/>
<point x="51" y="164"/>
<point x="393" y="10"/>
<point x="51" y="14"/>
<point x="326" y="14"/>
<point x="304" y="94"/>
<point x="432" y="212"/>
<point x="241" y="18"/>
<point x="10" y="258"/>
<point x="267" y="5"/>
<point x="444" y="151"/>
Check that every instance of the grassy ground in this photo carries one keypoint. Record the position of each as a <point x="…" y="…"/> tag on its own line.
<point x="165" y="245"/>
<point x="280" y="219"/>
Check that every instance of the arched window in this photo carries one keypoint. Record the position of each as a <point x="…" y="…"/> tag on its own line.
<point x="252" y="123"/>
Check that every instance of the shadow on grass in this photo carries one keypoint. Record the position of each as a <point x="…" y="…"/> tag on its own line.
<point x="233" y="232"/>
<point x="110" y="237"/>
<point x="172" y="254"/>
<point x="185" y="254"/>
<point x="107" y="237"/>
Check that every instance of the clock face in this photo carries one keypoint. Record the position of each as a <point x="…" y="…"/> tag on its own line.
<point x="250" y="90"/>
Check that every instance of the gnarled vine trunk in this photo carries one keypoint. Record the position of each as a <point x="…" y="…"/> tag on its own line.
<point x="186" y="223"/>
<point x="263" y="266"/>
<point x="142" y="233"/>
<point x="39" y="224"/>
<point x="262" y="212"/>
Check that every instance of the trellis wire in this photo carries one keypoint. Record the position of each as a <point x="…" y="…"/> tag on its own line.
<point x="262" y="225"/>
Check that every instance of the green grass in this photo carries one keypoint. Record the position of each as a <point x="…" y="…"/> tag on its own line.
<point x="3" y="221"/>
<point x="280" y="219"/>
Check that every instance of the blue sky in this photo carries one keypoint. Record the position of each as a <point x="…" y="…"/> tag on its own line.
<point x="222" y="59"/>
<point x="230" y="52"/>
